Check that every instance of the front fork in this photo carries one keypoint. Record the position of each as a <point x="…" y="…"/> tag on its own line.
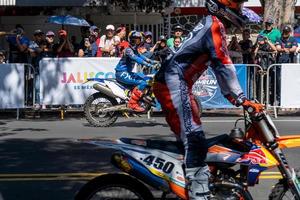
<point x="289" y="174"/>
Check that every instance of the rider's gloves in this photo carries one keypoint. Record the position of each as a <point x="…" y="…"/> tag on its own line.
<point x="256" y="107"/>
<point x="246" y="103"/>
<point x="149" y="65"/>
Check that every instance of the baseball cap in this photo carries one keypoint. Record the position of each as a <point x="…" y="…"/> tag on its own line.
<point x="110" y="27"/>
<point x="178" y="27"/>
<point x="50" y="33"/>
<point x="260" y="38"/>
<point x="119" y="29"/>
<point x="286" y="28"/>
<point x="62" y="33"/>
<point x="93" y="28"/>
<point x="270" y="21"/>
<point x="162" y="38"/>
<point x="38" y="32"/>
<point x="148" y="33"/>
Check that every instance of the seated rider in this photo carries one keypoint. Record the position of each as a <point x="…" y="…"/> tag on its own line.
<point x="124" y="68"/>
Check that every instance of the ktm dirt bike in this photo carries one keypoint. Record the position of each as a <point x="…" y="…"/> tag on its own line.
<point x="235" y="160"/>
<point x="103" y="108"/>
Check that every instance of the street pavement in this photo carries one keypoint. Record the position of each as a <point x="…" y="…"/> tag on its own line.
<point x="41" y="158"/>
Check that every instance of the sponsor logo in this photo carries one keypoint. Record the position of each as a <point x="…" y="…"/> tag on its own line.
<point x="254" y="170"/>
<point x="254" y="157"/>
<point x="81" y="77"/>
<point x="206" y="86"/>
<point x="186" y="107"/>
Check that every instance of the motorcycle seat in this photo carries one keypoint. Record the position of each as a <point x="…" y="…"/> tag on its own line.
<point x="171" y="146"/>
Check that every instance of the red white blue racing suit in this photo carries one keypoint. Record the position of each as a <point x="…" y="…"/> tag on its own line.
<point x="124" y="68"/>
<point x="205" y="45"/>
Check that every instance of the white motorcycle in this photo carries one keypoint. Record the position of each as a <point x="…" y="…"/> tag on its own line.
<point x="104" y="107"/>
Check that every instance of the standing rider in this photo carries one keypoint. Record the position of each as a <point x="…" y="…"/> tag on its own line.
<point x="205" y="45"/>
<point x="124" y="68"/>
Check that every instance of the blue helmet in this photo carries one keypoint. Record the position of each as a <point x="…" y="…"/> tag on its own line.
<point x="134" y="35"/>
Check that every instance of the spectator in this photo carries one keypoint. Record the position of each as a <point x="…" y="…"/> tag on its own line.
<point x="86" y="51"/>
<point x="94" y="39"/>
<point x="235" y="51"/>
<point x="36" y="47"/>
<point x="148" y="40"/>
<point x="161" y="50"/>
<point x="286" y="46"/>
<point x="177" y="44"/>
<point x="49" y="46"/>
<point x="246" y="46"/>
<point x="75" y="44"/>
<point x="64" y="48"/>
<point x="121" y="33"/>
<point x="2" y="57"/>
<point x="107" y="42"/>
<point x="18" y="46"/>
<point x="178" y="31"/>
<point x="264" y="44"/>
<point x="273" y="34"/>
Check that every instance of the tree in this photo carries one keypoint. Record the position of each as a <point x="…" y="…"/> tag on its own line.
<point x="282" y="11"/>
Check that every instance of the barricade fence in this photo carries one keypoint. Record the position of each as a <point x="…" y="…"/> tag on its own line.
<point x="60" y="82"/>
<point x="16" y="84"/>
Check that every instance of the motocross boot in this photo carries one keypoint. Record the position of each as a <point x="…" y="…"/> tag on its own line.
<point x="133" y="102"/>
<point x="198" y="183"/>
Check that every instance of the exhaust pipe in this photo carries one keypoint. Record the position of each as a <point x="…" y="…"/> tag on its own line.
<point x="104" y="90"/>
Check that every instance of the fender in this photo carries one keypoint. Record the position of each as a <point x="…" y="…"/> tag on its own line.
<point x="289" y="141"/>
<point x="105" y="90"/>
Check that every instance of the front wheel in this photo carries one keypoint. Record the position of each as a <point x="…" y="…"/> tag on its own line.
<point x="114" y="186"/>
<point x="282" y="191"/>
<point x="93" y="104"/>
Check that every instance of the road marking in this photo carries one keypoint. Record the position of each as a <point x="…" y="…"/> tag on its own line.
<point x="84" y="176"/>
<point x="231" y="120"/>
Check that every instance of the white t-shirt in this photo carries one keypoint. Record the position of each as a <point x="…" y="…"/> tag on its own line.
<point x="105" y="42"/>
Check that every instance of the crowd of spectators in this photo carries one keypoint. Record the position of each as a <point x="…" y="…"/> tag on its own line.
<point x="93" y="43"/>
<point x="270" y="46"/>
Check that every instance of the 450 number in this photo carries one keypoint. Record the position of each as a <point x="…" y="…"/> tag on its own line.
<point x="159" y="163"/>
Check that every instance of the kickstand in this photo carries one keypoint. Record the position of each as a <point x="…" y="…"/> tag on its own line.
<point x="126" y="115"/>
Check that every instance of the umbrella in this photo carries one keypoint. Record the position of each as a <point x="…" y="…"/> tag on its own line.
<point x="251" y="15"/>
<point x="67" y="20"/>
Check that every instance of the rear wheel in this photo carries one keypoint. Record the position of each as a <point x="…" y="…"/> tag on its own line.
<point x="93" y="104"/>
<point x="114" y="187"/>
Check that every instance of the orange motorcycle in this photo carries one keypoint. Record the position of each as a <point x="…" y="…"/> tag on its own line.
<point x="236" y="162"/>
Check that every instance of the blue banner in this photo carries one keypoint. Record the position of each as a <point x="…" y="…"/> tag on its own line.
<point x="209" y="93"/>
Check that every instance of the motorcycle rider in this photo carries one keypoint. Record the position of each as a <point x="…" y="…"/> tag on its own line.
<point x="124" y="73"/>
<point x="205" y="45"/>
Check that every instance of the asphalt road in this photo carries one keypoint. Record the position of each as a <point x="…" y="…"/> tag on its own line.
<point x="41" y="159"/>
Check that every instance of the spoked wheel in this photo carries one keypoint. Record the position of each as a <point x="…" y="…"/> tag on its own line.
<point x="92" y="112"/>
<point x="282" y="192"/>
<point x="114" y="187"/>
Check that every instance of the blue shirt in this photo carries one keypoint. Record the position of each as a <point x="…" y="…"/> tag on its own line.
<point x="131" y="57"/>
<point x="13" y="43"/>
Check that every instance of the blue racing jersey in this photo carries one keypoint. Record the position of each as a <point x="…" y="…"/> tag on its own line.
<point x="129" y="58"/>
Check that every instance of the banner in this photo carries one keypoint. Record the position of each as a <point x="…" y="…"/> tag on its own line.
<point x="61" y="79"/>
<point x="290" y="82"/>
<point x="209" y="93"/>
<point x="12" y="88"/>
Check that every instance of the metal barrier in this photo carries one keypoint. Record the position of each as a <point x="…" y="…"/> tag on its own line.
<point x="15" y="86"/>
<point x="253" y="81"/>
<point x="274" y="85"/>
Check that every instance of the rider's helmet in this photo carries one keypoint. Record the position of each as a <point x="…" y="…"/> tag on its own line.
<point x="135" y="39"/>
<point x="230" y="10"/>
